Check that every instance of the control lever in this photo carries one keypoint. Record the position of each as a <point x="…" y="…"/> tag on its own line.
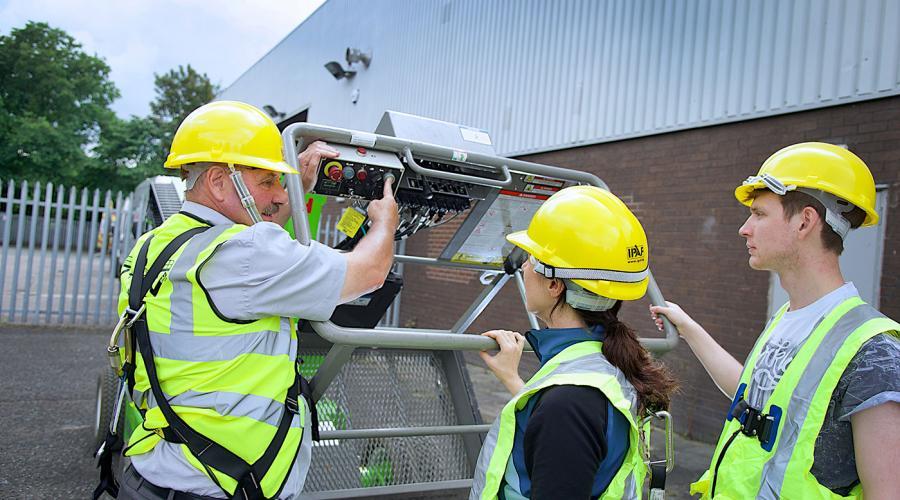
<point x="426" y="190"/>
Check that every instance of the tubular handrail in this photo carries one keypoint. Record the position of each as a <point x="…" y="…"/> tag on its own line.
<point x="452" y="176"/>
<point x="300" y="134"/>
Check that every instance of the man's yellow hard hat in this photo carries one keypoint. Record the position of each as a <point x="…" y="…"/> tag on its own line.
<point x="229" y="132"/>
<point x="818" y="166"/>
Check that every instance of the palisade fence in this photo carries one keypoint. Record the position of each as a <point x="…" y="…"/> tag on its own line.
<point x="61" y="250"/>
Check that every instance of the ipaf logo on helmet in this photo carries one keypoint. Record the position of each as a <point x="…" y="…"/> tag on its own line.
<point x="635" y="253"/>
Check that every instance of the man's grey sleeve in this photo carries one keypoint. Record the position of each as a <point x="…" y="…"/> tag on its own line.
<point x="872" y="377"/>
<point x="263" y="272"/>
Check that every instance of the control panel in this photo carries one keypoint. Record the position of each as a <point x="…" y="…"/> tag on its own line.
<point x="358" y="172"/>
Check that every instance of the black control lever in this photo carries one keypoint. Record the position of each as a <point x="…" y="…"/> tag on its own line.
<point x="514" y="260"/>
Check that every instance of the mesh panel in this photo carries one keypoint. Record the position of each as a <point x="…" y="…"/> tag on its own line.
<point x="378" y="389"/>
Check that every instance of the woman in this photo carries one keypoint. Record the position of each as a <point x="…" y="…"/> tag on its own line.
<point x="572" y="430"/>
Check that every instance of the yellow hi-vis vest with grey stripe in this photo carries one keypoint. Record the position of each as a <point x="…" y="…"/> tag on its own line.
<point x="227" y="379"/>
<point x="579" y="364"/>
<point x="801" y="398"/>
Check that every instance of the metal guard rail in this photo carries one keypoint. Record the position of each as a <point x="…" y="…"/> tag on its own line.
<point x="297" y="135"/>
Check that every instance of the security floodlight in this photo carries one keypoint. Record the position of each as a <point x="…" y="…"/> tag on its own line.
<point x="337" y="71"/>
<point x="274" y="113"/>
<point x="356" y="55"/>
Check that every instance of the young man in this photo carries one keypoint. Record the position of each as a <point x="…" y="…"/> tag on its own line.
<point x="816" y="407"/>
<point x="216" y="286"/>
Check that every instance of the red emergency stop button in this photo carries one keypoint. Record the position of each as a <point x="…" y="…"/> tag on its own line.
<point x="334" y="171"/>
<point x="361" y="150"/>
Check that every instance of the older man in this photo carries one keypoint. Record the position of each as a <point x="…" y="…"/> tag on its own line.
<point x="213" y="290"/>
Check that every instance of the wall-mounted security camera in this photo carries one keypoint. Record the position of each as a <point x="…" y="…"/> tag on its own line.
<point x="353" y="55"/>
<point x="337" y="71"/>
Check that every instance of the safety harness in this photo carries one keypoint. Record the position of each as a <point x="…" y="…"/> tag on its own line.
<point x="754" y="423"/>
<point x="205" y="450"/>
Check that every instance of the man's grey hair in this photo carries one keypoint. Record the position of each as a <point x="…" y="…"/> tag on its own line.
<point x="191" y="173"/>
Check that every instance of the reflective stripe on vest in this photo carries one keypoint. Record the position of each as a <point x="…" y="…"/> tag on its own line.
<point x="580" y="364"/>
<point x="803" y="395"/>
<point x="227" y="379"/>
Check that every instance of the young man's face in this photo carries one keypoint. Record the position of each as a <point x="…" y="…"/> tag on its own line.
<point x="770" y="237"/>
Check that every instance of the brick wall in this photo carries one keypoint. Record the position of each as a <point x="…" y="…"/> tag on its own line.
<point x="681" y="187"/>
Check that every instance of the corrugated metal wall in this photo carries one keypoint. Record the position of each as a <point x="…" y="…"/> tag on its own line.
<point x="542" y="75"/>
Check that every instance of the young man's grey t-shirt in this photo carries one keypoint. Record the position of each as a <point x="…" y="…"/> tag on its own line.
<point x="871" y="378"/>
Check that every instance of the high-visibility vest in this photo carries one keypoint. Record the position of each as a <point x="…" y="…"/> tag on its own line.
<point x="780" y="464"/>
<point x="227" y="379"/>
<point x="580" y="364"/>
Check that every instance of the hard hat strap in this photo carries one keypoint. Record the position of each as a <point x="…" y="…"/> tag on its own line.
<point x="771" y="183"/>
<point x="579" y="298"/>
<point x="576" y="273"/>
<point x="835" y="207"/>
<point x="244" y="194"/>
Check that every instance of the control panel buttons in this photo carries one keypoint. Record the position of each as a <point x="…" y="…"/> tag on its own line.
<point x="335" y="171"/>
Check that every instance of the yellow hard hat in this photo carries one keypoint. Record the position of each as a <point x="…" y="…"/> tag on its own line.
<point x="817" y="166"/>
<point x="586" y="234"/>
<point x="228" y="132"/>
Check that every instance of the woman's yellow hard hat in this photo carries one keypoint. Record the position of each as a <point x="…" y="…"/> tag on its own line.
<point x="588" y="235"/>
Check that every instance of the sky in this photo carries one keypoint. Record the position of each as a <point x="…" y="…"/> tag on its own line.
<point x="138" y="38"/>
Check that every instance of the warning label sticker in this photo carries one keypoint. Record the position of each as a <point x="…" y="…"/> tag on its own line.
<point x="510" y="212"/>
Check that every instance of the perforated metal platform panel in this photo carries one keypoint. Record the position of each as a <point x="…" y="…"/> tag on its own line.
<point x="381" y="388"/>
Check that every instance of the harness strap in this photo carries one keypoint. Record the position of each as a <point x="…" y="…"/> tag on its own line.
<point x="108" y="483"/>
<point x="657" y="481"/>
<point x="207" y="451"/>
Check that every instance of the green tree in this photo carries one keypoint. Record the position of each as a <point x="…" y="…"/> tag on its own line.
<point x="136" y="149"/>
<point x="128" y="152"/>
<point x="54" y="104"/>
<point x="55" y="118"/>
<point x="178" y="92"/>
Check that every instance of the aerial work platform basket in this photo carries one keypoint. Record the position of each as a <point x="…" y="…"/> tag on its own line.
<point x="397" y="411"/>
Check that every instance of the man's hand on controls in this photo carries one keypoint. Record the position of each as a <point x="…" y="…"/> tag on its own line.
<point x="385" y="209"/>
<point x="310" y="159"/>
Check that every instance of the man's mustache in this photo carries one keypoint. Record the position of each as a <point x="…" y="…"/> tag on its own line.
<point x="271" y="210"/>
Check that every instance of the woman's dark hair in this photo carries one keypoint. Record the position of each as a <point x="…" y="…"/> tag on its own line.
<point x="652" y="380"/>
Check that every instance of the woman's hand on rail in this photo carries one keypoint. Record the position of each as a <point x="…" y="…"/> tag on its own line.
<point x="505" y="364"/>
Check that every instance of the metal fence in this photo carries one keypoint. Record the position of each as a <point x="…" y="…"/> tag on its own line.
<point x="62" y="249"/>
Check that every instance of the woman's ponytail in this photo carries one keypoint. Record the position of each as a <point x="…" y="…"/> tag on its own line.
<point x="651" y="379"/>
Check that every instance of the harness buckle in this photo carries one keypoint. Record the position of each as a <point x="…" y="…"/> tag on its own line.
<point x="292" y="405"/>
<point x="134" y="315"/>
<point x="755" y="423"/>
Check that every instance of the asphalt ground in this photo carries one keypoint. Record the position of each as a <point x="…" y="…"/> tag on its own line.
<point x="48" y="380"/>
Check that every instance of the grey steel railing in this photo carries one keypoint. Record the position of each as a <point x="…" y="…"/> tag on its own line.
<point x="345" y="340"/>
<point x="298" y="135"/>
